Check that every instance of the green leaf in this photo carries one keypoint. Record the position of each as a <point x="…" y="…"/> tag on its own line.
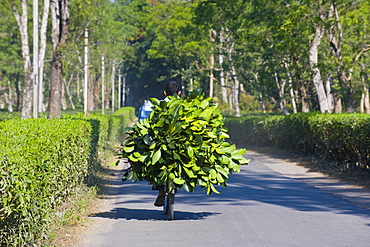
<point x="129" y="149"/>
<point x="115" y="163"/>
<point x="213" y="174"/>
<point x="178" y="181"/>
<point x="214" y="189"/>
<point x="156" y="156"/>
<point x="190" y="152"/>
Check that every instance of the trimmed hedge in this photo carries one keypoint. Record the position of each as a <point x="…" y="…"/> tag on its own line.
<point x="32" y="179"/>
<point x="42" y="162"/>
<point x="340" y="138"/>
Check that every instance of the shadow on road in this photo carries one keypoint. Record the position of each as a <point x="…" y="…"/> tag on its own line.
<point x="147" y="214"/>
<point x="255" y="185"/>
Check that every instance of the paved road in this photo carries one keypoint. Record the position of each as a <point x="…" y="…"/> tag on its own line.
<point x="260" y="207"/>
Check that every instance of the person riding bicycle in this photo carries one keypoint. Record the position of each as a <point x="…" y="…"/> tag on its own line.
<point x="172" y="88"/>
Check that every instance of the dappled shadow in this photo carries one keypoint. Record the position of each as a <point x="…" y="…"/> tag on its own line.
<point x="255" y="185"/>
<point x="147" y="214"/>
<point x="258" y="184"/>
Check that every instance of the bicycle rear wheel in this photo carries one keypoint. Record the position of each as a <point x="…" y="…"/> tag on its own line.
<point x="170" y="205"/>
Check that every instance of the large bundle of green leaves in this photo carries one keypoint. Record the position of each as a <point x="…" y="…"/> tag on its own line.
<point x="182" y="143"/>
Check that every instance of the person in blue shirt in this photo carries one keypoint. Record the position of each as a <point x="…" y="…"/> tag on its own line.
<point x="145" y="110"/>
<point x="172" y="88"/>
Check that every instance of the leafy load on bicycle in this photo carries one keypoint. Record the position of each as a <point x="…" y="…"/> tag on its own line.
<point x="182" y="143"/>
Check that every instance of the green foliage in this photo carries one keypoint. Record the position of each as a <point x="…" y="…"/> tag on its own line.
<point x="42" y="163"/>
<point x="182" y="143"/>
<point x="339" y="138"/>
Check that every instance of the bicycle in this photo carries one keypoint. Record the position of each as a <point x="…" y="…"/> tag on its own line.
<point x="170" y="192"/>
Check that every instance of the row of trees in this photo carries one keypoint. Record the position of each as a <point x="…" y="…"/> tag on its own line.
<point x="299" y="55"/>
<point x="294" y="56"/>
<point x="59" y="69"/>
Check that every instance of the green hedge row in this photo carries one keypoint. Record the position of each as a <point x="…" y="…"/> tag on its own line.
<point x="44" y="161"/>
<point x="340" y="138"/>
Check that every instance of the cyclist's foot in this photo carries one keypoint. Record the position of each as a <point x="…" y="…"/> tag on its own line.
<point x="159" y="202"/>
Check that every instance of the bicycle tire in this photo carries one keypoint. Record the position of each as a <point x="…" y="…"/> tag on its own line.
<point x="170" y="205"/>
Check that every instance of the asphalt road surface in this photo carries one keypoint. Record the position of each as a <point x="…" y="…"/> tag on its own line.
<point x="260" y="207"/>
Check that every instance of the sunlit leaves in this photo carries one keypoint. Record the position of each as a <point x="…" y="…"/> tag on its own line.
<point x="184" y="144"/>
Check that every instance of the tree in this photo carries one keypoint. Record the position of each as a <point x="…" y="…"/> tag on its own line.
<point x="60" y="11"/>
<point x="22" y="21"/>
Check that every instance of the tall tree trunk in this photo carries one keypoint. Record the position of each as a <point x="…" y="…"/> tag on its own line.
<point x="281" y="87"/>
<point x="231" y="99"/>
<point x="68" y="91"/>
<point x="317" y="80"/>
<point x="78" y="88"/>
<point x="211" y="65"/>
<point x="64" y="98"/>
<point x="93" y="93"/>
<point x="302" y="87"/>
<point x="60" y="15"/>
<point x="9" y="98"/>
<point x="260" y="93"/>
<point x="291" y="91"/>
<point x="236" y="84"/>
<point x="364" y="79"/>
<point x="113" y="77"/>
<point x="222" y="73"/>
<point x="124" y="90"/>
<point x="211" y="75"/>
<point x="27" y="67"/>
<point x="329" y="94"/>
<point x="17" y="91"/>
<point x="42" y="51"/>
<point x="337" y="104"/>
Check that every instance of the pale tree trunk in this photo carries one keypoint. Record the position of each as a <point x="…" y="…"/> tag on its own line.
<point x="67" y="88"/>
<point x="234" y="76"/>
<point x="304" y="95"/>
<point x="42" y="51"/>
<point x="338" y="105"/>
<point x="27" y="67"/>
<point x="231" y="100"/>
<point x="113" y="85"/>
<point x="222" y="80"/>
<point x="260" y="93"/>
<point x="78" y="87"/>
<point x="60" y="14"/>
<point x="222" y="73"/>
<point x="211" y="63"/>
<point x="124" y="90"/>
<point x="291" y="91"/>
<point x="366" y="100"/>
<point x="119" y="89"/>
<point x="329" y="94"/>
<point x="362" y="102"/>
<point x="10" y="98"/>
<point x="317" y="80"/>
<point x="292" y="95"/>
<point x="92" y="93"/>
<point x="64" y="99"/>
<point x="281" y="87"/>
<point x="211" y="76"/>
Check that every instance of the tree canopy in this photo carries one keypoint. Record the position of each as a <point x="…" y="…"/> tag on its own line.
<point x="283" y="56"/>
